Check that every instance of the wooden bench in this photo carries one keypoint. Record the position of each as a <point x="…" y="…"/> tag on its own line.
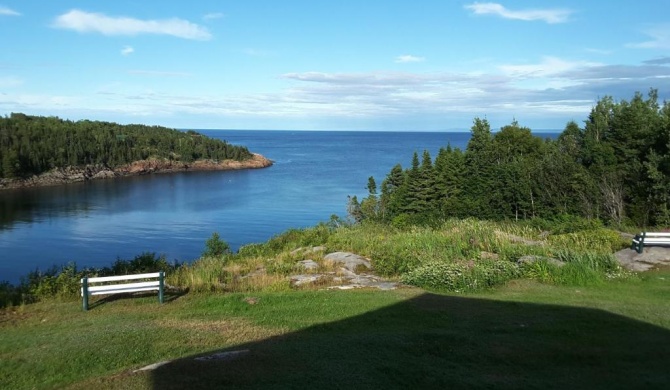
<point x="111" y="286"/>
<point x="649" y="238"/>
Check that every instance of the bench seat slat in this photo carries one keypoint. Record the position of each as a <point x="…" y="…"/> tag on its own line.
<point x="111" y="287"/>
<point x="127" y="290"/>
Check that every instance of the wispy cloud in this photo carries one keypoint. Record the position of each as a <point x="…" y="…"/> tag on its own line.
<point x="213" y="15"/>
<point x="546" y="15"/>
<point x="550" y="90"/>
<point x="160" y="73"/>
<point x="549" y="66"/>
<point x="127" y="50"/>
<point x="83" y="22"/>
<point x="660" y="38"/>
<point x="658" y="61"/>
<point x="547" y="87"/>
<point x="8" y="11"/>
<point x="408" y="58"/>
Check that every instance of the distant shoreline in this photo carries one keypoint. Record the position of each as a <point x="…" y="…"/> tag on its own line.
<point x="67" y="175"/>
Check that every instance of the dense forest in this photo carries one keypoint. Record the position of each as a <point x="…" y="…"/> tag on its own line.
<point x="616" y="169"/>
<point x="30" y="145"/>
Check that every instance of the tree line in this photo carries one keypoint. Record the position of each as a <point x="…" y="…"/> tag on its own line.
<point x="615" y="168"/>
<point x="30" y="145"/>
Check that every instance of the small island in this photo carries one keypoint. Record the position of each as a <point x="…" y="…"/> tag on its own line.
<point x="40" y="151"/>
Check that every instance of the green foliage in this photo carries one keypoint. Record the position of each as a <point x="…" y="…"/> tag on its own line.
<point x="462" y="276"/>
<point x="30" y="145"/>
<point x="142" y="263"/>
<point x="65" y="281"/>
<point x="215" y="246"/>
<point x="580" y="269"/>
<point x="59" y="282"/>
<point x="565" y="223"/>
<point x="599" y="241"/>
<point x="615" y="169"/>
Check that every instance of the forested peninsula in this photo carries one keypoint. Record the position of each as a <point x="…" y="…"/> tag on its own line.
<point x="36" y="151"/>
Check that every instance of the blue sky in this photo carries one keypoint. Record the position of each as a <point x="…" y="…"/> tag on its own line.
<point x="329" y="65"/>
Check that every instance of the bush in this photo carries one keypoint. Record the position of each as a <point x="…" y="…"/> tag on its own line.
<point x="598" y="240"/>
<point x="9" y="295"/>
<point x="215" y="246"/>
<point x="462" y="276"/>
<point x="580" y="269"/>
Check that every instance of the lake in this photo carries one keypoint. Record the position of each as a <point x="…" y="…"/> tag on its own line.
<point x="94" y="223"/>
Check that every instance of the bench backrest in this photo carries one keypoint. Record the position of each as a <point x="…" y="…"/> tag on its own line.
<point x="650" y="238"/>
<point x="655" y="234"/>
<point x="109" y="287"/>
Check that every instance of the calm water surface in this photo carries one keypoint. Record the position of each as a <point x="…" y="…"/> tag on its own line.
<point x="95" y="222"/>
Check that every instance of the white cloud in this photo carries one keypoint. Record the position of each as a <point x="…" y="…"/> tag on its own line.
<point x="408" y="58"/>
<point x="159" y="73"/>
<point x="213" y="15"/>
<point x="547" y="15"/>
<point x="8" y="12"/>
<point x="550" y="89"/>
<point x="127" y="50"/>
<point x="83" y="22"/>
<point x="549" y="66"/>
<point x="660" y="38"/>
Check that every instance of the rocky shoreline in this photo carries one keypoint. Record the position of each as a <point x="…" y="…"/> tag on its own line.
<point x="143" y="167"/>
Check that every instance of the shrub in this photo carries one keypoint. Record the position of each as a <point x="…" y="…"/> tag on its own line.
<point x="599" y="240"/>
<point x="215" y="246"/>
<point x="580" y="269"/>
<point x="462" y="276"/>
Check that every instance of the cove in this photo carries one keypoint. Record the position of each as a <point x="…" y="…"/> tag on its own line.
<point x="93" y="223"/>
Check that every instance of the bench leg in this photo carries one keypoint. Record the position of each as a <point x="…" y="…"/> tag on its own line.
<point x="84" y="293"/>
<point x="161" y="286"/>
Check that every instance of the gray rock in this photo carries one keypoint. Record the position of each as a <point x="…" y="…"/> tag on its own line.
<point x="300" y="280"/>
<point x="346" y="273"/>
<point x="230" y="355"/>
<point x="532" y="259"/>
<point x="308" y="264"/>
<point x="350" y="261"/>
<point x="257" y="272"/>
<point x="651" y="257"/>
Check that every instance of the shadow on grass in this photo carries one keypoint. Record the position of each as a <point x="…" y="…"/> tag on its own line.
<point x="435" y="341"/>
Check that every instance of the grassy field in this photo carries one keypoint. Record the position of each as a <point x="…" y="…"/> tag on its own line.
<point x="522" y="335"/>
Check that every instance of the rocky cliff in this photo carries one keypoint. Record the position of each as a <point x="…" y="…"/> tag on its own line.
<point x="142" y="167"/>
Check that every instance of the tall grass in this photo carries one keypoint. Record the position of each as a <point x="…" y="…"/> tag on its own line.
<point x="477" y="249"/>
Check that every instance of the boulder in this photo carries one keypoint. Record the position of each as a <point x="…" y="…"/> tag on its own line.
<point x="299" y="280"/>
<point x="652" y="256"/>
<point x="532" y="259"/>
<point x="350" y="261"/>
<point x="307" y="264"/>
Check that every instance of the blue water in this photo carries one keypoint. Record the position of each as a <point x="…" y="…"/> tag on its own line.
<point x="96" y="222"/>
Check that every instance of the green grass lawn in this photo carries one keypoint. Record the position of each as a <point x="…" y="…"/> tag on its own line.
<point x="523" y="335"/>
